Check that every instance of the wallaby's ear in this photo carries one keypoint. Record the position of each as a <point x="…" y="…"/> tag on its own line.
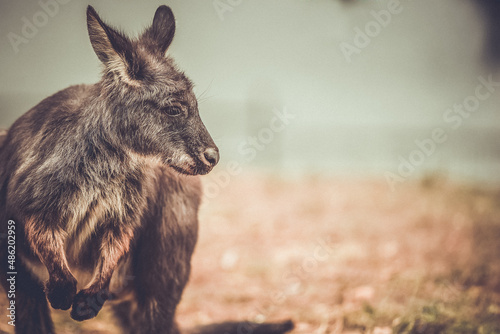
<point x="112" y="48"/>
<point x="161" y="33"/>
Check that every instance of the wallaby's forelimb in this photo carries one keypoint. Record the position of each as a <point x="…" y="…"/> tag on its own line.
<point x="114" y="245"/>
<point x="48" y="244"/>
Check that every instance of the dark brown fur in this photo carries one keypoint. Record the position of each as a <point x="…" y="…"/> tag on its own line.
<point x="96" y="179"/>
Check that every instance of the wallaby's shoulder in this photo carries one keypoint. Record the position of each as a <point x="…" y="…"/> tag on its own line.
<point x="55" y="111"/>
<point x="73" y="94"/>
<point x="69" y="98"/>
<point x="66" y="100"/>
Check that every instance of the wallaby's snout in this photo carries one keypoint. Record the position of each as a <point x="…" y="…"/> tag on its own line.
<point x="210" y="157"/>
<point x="205" y="159"/>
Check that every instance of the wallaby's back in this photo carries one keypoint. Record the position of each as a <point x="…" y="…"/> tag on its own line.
<point x="3" y="135"/>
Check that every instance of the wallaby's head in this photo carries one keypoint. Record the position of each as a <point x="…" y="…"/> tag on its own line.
<point x="148" y="104"/>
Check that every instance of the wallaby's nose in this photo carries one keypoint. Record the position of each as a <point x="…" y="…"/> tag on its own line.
<point x="211" y="156"/>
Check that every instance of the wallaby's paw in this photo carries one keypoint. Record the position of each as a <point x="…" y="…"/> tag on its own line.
<point x="60" y="292"/>
<point x="88" y="303"/>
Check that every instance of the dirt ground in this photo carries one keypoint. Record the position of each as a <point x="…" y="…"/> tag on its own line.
<point x="340" y="255"/>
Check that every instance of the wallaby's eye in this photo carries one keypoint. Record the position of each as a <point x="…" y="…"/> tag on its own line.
<point x="173" y="111"/>
<point x="169" y="110"/>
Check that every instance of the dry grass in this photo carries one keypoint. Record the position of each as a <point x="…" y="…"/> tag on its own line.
<point x="344" y="256"/>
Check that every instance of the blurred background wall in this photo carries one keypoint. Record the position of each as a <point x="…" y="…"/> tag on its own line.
<point x="383" y="88"/>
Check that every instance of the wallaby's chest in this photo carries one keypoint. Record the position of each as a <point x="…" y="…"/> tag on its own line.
<point x="90" y="213"/>
<point x="94" y="210"/>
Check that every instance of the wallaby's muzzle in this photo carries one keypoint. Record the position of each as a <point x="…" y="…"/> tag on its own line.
<point x="210" y="157"/>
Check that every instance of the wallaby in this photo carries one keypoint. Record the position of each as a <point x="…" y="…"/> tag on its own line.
<point x="98" y="181"/>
